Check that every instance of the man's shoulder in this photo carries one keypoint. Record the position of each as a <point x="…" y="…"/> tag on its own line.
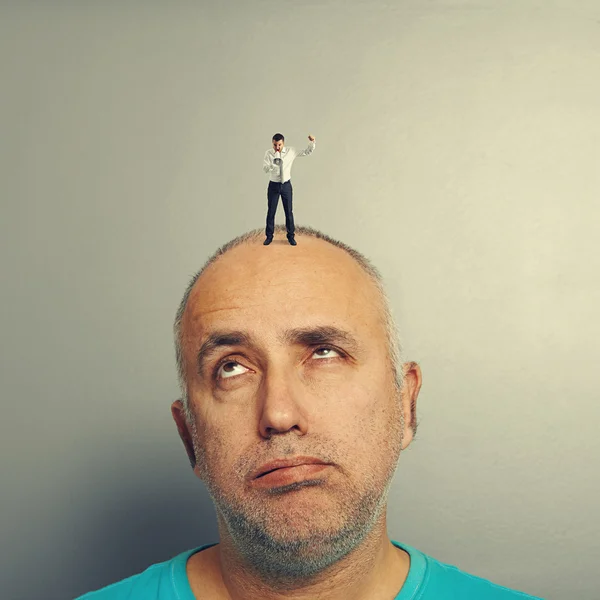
<point x="476" y="586"/>
<point x="159" y="581"/>
<point x="440" y="581"/>
<point x="145" y="584"/>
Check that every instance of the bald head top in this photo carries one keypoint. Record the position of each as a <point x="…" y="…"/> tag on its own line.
<point x="247" y="254"/>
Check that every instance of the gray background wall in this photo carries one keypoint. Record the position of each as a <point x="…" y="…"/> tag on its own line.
<point x="457" y="146"/>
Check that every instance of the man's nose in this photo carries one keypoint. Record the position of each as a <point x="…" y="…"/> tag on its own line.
<point x="282" y="405"/>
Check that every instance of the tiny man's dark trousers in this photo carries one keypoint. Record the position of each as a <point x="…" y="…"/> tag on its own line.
<point x="284" y="190"/>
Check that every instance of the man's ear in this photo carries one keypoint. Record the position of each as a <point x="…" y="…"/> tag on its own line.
<point x="410" y="393"/>
<point x="178" y="412"/>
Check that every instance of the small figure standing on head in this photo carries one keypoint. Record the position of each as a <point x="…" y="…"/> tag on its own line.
<point x="278" y="165"/>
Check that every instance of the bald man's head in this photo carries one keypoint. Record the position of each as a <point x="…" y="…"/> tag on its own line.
<point x="256" y="272"/>
<point x="290" y="353"/>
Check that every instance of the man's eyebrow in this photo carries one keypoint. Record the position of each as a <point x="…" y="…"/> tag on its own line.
<point x="305" y="336"/>
<point x="325" y="334"/>
<point x="217" y="340"/>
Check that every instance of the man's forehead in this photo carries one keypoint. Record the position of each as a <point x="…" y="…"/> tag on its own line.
<point x="250" y="265"/>
<point x="249" y="280"/>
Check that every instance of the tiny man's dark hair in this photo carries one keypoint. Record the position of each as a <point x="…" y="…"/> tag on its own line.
<point x="278" y="136"/>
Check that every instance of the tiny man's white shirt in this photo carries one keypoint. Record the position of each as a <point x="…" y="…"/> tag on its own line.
<point x="288" y="156"/>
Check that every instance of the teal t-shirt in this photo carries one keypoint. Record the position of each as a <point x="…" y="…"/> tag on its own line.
<point x="428" y="579"/>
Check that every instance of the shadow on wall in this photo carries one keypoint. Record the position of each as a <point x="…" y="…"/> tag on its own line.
<point x="125" y="520"/>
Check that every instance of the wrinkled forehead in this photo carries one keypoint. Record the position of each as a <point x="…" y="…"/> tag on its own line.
<point x="267" y="287"/>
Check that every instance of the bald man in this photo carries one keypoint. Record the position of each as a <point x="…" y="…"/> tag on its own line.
<point x="295" y="409"/>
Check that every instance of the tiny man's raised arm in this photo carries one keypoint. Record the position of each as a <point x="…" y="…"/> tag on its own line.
<point x="311" y="147"/>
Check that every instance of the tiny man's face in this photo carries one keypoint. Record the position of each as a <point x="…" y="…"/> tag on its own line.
<point x="286" y="358"/>
<point x="278" y="146"/>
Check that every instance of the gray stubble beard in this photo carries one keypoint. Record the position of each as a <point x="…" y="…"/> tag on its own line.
<point x="289" y="563"/>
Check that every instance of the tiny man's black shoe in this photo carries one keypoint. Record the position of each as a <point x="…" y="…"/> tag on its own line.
<point x="292" y="241"/>
<point x="267" y="241"/>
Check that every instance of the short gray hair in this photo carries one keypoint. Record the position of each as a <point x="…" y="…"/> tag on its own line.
<point x="394" y="349"/>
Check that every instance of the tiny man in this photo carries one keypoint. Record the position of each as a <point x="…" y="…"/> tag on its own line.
<point x="278" y="165"/>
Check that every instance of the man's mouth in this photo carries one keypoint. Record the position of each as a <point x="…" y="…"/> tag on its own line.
<point x="282" y="472"/>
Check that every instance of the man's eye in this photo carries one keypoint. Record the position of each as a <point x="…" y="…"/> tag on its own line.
<point x="230" y="369"/>
<point x="326" y="352"/>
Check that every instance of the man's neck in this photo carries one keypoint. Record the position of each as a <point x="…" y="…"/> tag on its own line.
<point x="376" y="570"/>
